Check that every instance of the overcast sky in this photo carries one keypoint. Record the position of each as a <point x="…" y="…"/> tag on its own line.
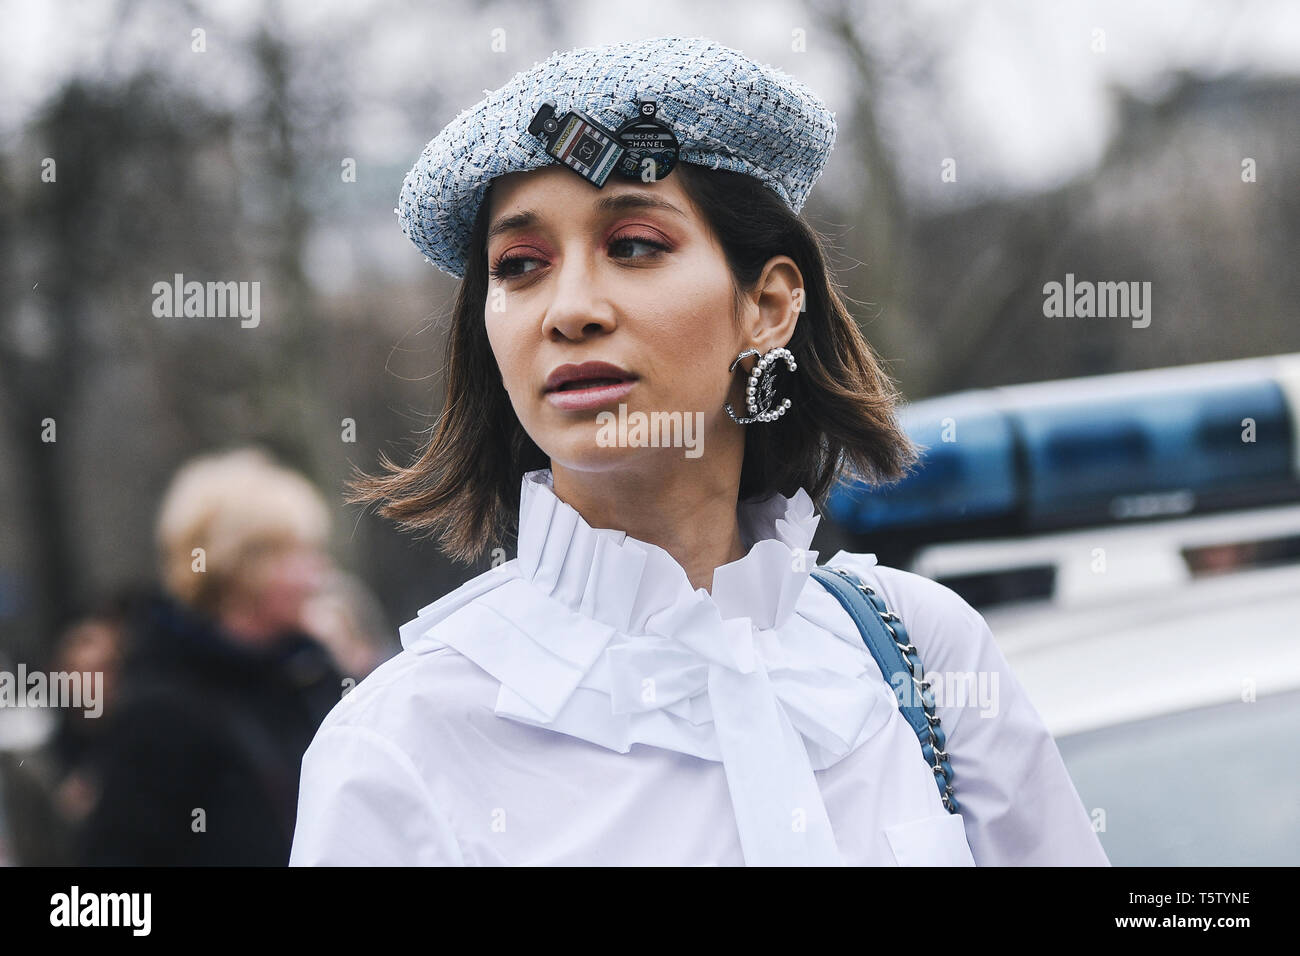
<point x="1023" y="88"/>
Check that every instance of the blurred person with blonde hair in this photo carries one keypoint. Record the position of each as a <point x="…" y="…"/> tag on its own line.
<point x="223" y="685"/>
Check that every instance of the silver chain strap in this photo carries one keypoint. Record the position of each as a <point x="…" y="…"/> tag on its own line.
<point x="887" y="617"/>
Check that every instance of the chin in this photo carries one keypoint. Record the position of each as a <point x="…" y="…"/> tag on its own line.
<point x="579" y="451"/>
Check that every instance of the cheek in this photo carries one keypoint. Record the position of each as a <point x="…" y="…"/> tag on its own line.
<point x="506" y="348"/>
<point x="494" y="338"/>
<point x="292" y="578"/>
<point x="697" y="342"/>
<point x="511" y="360"/>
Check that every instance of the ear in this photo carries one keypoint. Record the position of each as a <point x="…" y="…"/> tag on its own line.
<point x="772" y="309"/>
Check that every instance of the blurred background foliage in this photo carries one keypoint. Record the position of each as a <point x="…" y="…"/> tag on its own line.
<point x="227" y="164"/>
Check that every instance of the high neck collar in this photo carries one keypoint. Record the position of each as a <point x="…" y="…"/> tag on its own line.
<point x="586" y="619"/>
<point x="565" y="556"/>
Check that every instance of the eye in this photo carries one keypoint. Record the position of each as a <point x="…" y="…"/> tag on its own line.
<point x="621" y="247"/>
<point x="624" y="242"/>
<point x="505" y="267"/>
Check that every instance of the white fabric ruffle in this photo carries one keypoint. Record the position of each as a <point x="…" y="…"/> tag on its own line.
<point x="600" y="636"/>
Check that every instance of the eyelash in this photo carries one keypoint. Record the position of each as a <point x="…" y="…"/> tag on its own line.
<point x="497" y="271"/>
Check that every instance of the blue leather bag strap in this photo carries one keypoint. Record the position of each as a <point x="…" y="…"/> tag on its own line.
<point x="883" y="632"/>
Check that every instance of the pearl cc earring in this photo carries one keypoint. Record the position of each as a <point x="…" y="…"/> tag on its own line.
<point x="759" y="392"/>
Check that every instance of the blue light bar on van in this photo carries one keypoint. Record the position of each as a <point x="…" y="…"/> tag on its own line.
<point x="1155" y="454"/>
<point x="1093" y="450"/>
<point x="966" y="472"/>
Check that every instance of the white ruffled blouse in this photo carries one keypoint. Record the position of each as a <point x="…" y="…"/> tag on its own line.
<point x="583" y="704"/>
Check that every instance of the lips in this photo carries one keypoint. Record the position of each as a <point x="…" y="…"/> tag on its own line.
<point x="587" y="396"/>
<point x="588" y="383"/>
<point x="586" y="375"/>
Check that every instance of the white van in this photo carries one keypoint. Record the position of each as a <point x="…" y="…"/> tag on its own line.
<point x="1133" y="542"/>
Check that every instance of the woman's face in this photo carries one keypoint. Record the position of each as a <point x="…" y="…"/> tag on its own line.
<point x="276" y="587"/>
<point x="630" y="275"/>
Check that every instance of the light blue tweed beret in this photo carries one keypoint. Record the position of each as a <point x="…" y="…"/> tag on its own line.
<point x="726" y="110"/>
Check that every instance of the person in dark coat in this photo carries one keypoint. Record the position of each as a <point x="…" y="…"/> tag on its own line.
<point x="222" y="689"/>
<point x="47" y="780"/>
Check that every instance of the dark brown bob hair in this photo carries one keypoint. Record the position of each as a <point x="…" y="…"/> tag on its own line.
<point x="463" y="488"/>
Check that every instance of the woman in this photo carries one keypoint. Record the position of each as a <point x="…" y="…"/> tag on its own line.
<point x="654" y="679"/>
<point x="222" y="688"/>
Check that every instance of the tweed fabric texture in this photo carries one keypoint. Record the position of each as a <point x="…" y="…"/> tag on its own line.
<point x="726" y="110"/>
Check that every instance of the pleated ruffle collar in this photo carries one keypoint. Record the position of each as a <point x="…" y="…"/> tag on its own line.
<point x="624" y="582"/>
<point x="598" y="635"/>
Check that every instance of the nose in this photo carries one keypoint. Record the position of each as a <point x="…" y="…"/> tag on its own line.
<point x="578" y="307"/>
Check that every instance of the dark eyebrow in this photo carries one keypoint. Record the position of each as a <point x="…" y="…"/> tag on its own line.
<point x="606" y="204"/>
<point x="624" y="201"/>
